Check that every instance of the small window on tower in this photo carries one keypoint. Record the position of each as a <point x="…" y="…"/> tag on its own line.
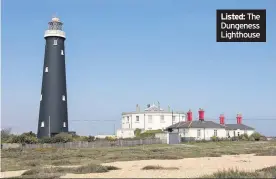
<point x="42" y="124"/>
<point x="41" y="97"/>
<point x="63" y="98"/>
<point x="64" y="124"/>
<point x="62" y="53"/>
<point x="46" y="69"/>
<point x="55" y="42"/>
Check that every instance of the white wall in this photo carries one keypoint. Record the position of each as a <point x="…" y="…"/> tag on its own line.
<point x="147" y="124"/>
<point x="204" y="134"/>
<point x="122" y="133"/>
<point x="233" y="133"/>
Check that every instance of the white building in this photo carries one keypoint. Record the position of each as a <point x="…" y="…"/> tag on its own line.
<point x="204" y="130"/>
<point x="151" y="118"/>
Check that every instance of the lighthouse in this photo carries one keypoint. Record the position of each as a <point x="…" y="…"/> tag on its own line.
<point x="53" y="114"/>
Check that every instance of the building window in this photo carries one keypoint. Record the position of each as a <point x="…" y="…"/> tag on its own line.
<point x="64" y="124"/>
<point x="215" y="133"/>
<point x="198" y="133"/>
<point x="227" y="133"/>
<point x="42" y="124"/>
<point x="150" y="118"/>
<point x="55" y="42"/>
<point x="41" y="97"/>
<point x="46" y="69"/>
<point x="127" y="119"/>
<point x="137" y="118"/>
<point x="162" y="118"/>
<point x="238" y="133"/>
<point x="62" y="53"/>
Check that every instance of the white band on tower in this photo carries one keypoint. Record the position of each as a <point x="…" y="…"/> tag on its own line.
<point x="54" y="33"/>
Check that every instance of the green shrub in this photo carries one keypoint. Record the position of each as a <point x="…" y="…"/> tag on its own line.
<point x="80" y="138"/>
<point x="110" y="138"/>
<point x="137" y="132"/>
<point x="45" y="140"/>
<point x="24" y="138"/>
<point x="91" y="138"/>
<point x="62" y="138"/>
<point x="244" y="137"/>
<point x="214" y="138"/>
<point x="251" y="138"/>
<point x="150" y="133"/>
<point x="256" y="136"/>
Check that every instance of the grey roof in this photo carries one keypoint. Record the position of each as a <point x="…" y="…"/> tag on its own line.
<point x="238" y="126"/>
<point x="209" y="124"/>
<point x="196" y="124"/>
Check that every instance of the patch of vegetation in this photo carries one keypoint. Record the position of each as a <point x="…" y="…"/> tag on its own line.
<point x="18" y="159"/>
<point x="146" y="134"/>
<point x="233" y="174"/>
<point x="90" y="168"/>
<point x="110" y="138"/>
<point x="256" y="136"/>
<point x="110" y="167"/>
<point x="271" y="152"/>
<point x="25" y="138"/>
<point x="158" y="167"/>
<point x="61" y="162"/>
<point x="137" y="132"/>
<point x="269" y="172"/>
<point x="59" y="171"/>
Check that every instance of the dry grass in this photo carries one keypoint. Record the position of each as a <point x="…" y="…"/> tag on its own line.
<point x="158" y="167"/>
<point x="269" y="172"/>
<point x="34" y="158"/>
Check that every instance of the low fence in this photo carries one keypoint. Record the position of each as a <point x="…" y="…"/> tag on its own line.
<point x="162" y="136"/>
<point x="81" y="144"/>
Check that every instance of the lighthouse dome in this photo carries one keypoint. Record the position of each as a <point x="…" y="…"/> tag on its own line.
<point x="55" y="19"/>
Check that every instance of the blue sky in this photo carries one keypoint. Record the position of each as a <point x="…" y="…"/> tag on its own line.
<point x="123" y="53"/>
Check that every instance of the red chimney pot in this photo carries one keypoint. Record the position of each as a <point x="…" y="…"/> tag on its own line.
<point x="201" y="114"/>
<point x="190" y="115"/>
<point x="221" y="119"/>
<point x="239" y="118"/>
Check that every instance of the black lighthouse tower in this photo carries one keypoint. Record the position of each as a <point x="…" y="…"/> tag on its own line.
<point x="53" y="115"/>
